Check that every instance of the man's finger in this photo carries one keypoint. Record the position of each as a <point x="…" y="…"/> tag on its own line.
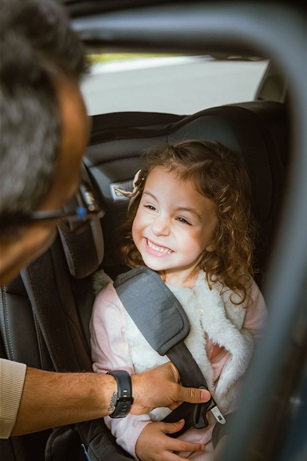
<point x="192" y="395"/>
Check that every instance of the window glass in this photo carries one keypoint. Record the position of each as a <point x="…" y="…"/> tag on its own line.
<point x="168" y="83"/>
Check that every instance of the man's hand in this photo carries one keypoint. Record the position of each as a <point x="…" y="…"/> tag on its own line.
<point x="159" y="387"/>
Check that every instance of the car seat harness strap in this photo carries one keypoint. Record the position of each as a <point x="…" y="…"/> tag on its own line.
<point x="164" y="324"/>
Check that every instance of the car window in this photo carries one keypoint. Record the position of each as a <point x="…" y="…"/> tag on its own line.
<point x="168" y="83"/>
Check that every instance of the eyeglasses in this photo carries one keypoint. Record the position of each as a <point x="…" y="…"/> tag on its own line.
<point x="74" y="216"/>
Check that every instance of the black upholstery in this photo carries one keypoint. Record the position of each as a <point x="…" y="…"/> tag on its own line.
<point x="44" y="313"/>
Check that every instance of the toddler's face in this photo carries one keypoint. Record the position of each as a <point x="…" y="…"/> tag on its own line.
<point x="174" y="224"/>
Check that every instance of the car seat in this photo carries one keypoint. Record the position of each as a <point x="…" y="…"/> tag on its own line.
<point x="44" y="313"/>
<point x="258" y="130"/>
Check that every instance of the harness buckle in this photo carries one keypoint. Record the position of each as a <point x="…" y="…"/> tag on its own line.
<point x="200" y="411"/>
<point x="194" y="415"/>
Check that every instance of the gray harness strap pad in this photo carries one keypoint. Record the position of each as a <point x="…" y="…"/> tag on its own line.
<point x="161" y="319"/>
<point x="153" y="307"/>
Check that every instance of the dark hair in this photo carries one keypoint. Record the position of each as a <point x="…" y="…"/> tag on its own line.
<point x="36" y="42"/>
<point x="220" y="175"/>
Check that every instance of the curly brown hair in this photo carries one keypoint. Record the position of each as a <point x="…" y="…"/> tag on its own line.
<point x="220" y="175"/>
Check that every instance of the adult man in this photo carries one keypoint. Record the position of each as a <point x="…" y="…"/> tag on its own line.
<point x="44" y="131"/>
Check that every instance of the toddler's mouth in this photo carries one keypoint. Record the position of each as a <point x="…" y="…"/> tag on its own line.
<point x="158" y="249"/>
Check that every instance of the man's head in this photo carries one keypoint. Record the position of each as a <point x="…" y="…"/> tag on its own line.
<point x="44" y="126"/>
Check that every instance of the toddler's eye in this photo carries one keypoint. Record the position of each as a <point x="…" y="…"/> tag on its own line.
<point x="150" y="207"/>
<point x="183" y="220"/>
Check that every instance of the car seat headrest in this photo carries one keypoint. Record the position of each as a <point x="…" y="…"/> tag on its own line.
<point x="83" y="250"/>
<point x="244" y="128"/>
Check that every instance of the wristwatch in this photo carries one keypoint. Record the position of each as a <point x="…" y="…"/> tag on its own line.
<point x="124" y="398"/>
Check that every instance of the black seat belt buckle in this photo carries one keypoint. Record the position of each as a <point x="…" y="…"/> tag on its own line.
<point x="195" y="415"/>
<point x="201" y="410"/>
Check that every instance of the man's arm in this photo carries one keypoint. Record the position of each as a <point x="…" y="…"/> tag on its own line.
<point x="51" y="399"/>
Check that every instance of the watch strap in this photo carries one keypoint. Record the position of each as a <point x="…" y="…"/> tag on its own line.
<point x="124" y="393"/>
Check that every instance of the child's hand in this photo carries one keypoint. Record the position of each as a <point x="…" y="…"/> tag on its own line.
<point x="154" y="444"/>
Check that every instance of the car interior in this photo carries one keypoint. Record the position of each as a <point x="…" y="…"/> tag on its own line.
<point x="45" y="312"/>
